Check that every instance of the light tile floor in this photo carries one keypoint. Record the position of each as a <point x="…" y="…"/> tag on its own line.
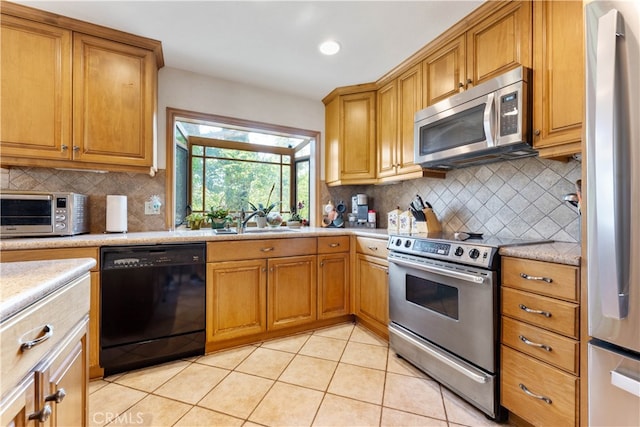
<point x="338" y="376"/>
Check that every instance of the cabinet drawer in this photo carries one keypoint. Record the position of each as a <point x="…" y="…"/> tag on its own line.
<point x="253" y="249"/>
<point x="562" y="316"/>
<point x="369" y="246"/>
<point x="546" y="278"/>
<point x="561" y="389"/>
<point x="558" y="350"/>
<point x="333" y="244"/>
<point x="61" y="310"/>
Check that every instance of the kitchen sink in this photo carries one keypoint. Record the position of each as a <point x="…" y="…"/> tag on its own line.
<point x="270" y="230"/>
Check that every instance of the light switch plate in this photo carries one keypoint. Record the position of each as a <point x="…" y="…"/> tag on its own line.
<point x="149" y="209"/>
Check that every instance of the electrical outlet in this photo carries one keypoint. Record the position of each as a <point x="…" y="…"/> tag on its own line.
<point x="150" y="210"/>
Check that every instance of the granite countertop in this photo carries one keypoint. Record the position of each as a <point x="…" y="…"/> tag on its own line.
<point x="176" y="236"/>
<point x="558" y="252"/>
<point x="24" y="283"/>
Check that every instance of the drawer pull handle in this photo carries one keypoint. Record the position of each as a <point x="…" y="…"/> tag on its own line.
<point x="530" y="310"/>
<point x="48" y="333"/>
<point x="334" y="245"/>
<point x="373" y="248"/>
<point x="57" y="397"/>
<point x="534" y="344"/>
<point x="267" y="249"/>
<point x="537" y="396"/>
<point x="540" y="278"/>
<point x="42" y="415"/>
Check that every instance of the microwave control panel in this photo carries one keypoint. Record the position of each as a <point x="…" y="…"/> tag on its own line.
<point x="509" y="114"/>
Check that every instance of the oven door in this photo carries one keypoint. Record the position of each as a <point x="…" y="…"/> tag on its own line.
<point x="450" y="305"/>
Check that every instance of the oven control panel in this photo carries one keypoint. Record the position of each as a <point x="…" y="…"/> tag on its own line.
<point x="461" y="252"/>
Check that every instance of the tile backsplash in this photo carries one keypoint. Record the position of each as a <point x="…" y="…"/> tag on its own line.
<point x="137" y="187"/>
<point x="519" y="198"/>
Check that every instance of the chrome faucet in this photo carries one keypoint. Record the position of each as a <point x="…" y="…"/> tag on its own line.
<point x="246" y="220"/>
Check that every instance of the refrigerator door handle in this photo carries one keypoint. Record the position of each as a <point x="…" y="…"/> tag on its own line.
<point x="625" y="382"/>
<point x="612" y="268"/>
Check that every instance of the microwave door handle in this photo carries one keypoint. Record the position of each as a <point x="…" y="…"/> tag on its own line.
<point x="488" y="120"/>
<point x="611" y="228"/>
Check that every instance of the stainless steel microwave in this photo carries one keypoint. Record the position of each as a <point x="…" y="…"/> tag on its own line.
<point x="487" y="123"/>
<point x="26" y="214"/>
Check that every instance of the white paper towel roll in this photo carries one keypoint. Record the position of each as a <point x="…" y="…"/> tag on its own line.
<point x="116" y="214"/>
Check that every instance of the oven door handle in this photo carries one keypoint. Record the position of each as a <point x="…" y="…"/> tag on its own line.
<point x="437" y="270"/>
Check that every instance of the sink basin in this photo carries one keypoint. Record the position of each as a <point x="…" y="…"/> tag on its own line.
<point x="270" y="230"/>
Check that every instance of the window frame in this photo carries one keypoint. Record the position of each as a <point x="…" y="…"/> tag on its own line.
<point x="173" y="115"/>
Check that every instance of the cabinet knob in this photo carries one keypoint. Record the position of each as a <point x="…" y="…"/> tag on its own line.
<point x="536" y="132"/>
<point x="460" y="85"/>
<point x="64" y="147"/>
<point x="42" y="415"/>
<point x="57" y="397"/>
<point x="469" y="81"/>
<point x="76" y="148"/>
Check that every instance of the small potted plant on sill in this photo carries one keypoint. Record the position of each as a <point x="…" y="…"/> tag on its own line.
<point x="194" y="220"/>
<point x="218" y="216"/>
<point x="263" y="213"/>
<point x="295" y="220"/>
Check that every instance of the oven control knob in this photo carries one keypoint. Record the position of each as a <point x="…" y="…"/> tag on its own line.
<point x="459" y="251"/>
<point x="398" y="242"/>
<point x="407" y="243"/>
<point x="474" y="253"/>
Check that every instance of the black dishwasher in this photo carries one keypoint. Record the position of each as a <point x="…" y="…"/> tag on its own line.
<point x="152" y="305"/>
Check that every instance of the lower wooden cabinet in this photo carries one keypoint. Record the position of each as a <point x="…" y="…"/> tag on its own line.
<point x="371" y="284"/>
<point x="291" y="291"/>
<point x="47" y="384"/>
<point x="236" y="299"/>
<point x="540" y="375"/>
<point x="333" y="285"/>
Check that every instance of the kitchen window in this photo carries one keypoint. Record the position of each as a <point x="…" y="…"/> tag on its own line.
<point x="224" y="164"/>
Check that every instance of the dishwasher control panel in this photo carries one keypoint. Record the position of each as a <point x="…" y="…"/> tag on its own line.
<point x="119" y="257"/>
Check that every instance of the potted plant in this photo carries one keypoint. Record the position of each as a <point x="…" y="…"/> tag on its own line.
<point x="295" y="220"/>
<point x="218" y="216"/>
<point x="263" y="213"/>
<point x="195" y="220"/>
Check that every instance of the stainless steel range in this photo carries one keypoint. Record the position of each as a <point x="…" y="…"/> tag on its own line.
<point x="444" y="310"/>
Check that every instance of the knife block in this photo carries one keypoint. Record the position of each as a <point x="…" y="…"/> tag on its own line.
<point x="431" y="225"/>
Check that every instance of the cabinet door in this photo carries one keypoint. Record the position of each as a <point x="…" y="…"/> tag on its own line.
<point x="332" y="152"/>
<point x="443" y="71"/>
<point x="66" y="385"/>
<point x="558" y="77"/>
<point x="292" y="291"/>
<point x="387" y="129"/>
<point x="372" y="292"/>
<point x="236" y="299"/>
<point x="114" y="102"/>
<point x="499" y="43"/>
<point x="409" y="102"/>
<point x="358" y="138"/>
<point x="19" y="404"/>
<point x="36" y="90"/>
<point x="333" y="285"/>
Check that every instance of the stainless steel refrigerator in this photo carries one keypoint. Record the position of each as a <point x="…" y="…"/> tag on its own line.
<point x="612" y="30"/>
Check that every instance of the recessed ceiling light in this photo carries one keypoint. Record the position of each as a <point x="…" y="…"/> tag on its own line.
<point x="329" y="47"/>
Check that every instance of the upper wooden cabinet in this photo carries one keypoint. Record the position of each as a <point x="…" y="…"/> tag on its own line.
<point x="73" y="99"/>
<point x="350" y="121"/>
<point x="398" y="102"/>
<point x="558" y="77"/>
<point x="36" y="89"/>
<point x="489" y="46"/>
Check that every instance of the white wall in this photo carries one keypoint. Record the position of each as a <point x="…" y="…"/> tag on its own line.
<point x="195" y="92"/>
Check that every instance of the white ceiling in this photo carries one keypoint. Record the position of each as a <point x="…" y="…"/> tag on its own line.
<point x="274" y="44"/>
